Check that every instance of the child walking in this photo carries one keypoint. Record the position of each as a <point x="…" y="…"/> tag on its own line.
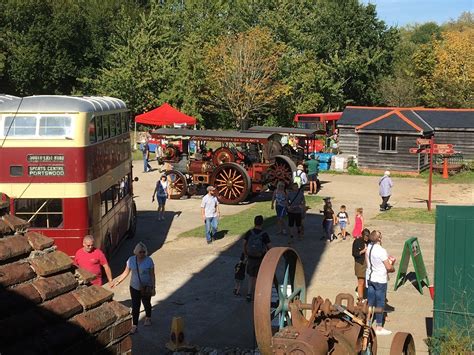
<point x="239" y="274"/>
<point x="343" y="220"/>
<point x="359" y="223"/>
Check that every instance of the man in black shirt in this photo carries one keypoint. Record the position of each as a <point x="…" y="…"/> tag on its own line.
<point x="359" y="248"/>
<point x="256" y="244"/>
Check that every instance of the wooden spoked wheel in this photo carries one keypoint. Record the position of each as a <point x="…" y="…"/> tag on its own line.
<point x="281" y="170"/>
<point x="232" y="183"/>
<point x="402" y="344"/>
<point x="223" y="155"/>
<point x="177" y="184"/>
<point x="280" y="281"/>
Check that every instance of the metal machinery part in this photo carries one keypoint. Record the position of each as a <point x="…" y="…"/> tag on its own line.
<point x="286" y="324"/>
<point x="171" y="153"/>
<point x="232" y="182"/>
<point x="403" y="343"/>
<point x="223" y="155"/>
<point x="281" y="170"/>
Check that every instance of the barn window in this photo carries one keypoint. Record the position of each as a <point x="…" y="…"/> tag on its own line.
<point x="388" y="143"/>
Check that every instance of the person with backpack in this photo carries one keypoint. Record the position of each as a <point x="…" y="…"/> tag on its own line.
<point x="299" y="176"/>
<point x="296" y="208"/>
<point x="162" y="194"/>
<point x="256" y="244"/>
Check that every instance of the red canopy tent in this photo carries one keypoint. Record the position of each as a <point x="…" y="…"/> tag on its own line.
<point x="163" y="116"/>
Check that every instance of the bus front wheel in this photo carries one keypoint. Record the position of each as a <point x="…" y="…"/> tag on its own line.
<point x="132" y="228"/>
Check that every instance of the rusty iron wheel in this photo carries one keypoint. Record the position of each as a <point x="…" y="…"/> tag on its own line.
<point x="223" y="155"/>
<point x="177" y="184"/>
<point x="281" y="275"/>
<point x="232" y="182"/>
<point x="402" y="344"/>
<point x="281" y="170"/>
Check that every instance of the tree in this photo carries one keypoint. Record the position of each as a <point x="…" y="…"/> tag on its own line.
<point x="141" y="67"/>
<point x="453" y="74"/>
<point x="241" y="73"/>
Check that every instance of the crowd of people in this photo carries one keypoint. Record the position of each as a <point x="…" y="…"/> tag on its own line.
<point x="372" y="264"/>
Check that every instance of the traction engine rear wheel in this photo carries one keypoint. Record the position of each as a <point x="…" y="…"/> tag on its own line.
<point x="280" y="281"/>
<point x="177" y="184"/>
<point x="223" y="155"/>
<point x="232" y="183"/>
<point x="281" y="170"/>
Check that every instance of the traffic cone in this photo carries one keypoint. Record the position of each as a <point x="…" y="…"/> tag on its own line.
<point x="445" y="168"/>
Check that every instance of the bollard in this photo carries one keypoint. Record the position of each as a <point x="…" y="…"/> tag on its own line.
<point x="177" y="334"/>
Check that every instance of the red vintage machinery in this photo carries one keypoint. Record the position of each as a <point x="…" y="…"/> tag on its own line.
<point x="246" y="163"/>
<point x="286" y="324"/>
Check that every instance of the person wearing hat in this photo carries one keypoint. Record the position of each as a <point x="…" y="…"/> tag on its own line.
<point x="299" y="176"/>
<point x="385" y="190"/>
<point x="210" y="213"/>
<point x="313" y="171"/>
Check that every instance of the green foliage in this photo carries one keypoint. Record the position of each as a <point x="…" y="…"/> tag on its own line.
<point x="330" y="54"/>
<point x="453" y="341"/>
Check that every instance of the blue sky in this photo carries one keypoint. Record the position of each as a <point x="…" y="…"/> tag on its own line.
<point x="403" y="12"/>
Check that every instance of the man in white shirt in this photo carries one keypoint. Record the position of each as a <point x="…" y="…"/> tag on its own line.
<point x="376" y="275"/>
<point x="210" y="213"/>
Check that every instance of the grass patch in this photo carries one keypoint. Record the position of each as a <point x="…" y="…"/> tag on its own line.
<point x="463" y="177"/>
<point x="413" y="215"/>
<point x="239" y="223"/>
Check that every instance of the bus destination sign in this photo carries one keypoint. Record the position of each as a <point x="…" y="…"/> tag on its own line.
<point x="45" y="158"/>
<point x="46" y="170"/>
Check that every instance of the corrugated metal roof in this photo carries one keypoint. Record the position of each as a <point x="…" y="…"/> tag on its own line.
<point x="427" y="119"/>
<point x="208" y="135"/>
<point x="58" y="103"/>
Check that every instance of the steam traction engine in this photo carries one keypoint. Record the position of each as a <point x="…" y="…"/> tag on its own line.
<point x="236" y="172"/>
<point x="286" y="324"/>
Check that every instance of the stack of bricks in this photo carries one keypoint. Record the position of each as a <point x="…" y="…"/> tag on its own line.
<point x="47" y="305"/>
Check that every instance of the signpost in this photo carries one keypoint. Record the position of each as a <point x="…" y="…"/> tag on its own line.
<point x="412" y="250"/>
<point x="428" y="150"/>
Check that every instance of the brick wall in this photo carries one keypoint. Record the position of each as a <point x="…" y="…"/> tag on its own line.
<point x="47" y="305"/>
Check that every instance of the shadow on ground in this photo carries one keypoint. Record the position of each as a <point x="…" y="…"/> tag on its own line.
<point x="213" y="315"/>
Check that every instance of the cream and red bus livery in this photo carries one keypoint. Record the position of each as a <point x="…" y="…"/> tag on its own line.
<point x="65" y="166"/>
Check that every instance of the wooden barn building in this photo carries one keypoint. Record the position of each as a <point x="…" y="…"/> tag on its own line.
<point x="380" y="137"/>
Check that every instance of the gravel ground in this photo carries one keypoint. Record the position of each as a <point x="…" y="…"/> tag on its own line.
<point x="195" y="280"/>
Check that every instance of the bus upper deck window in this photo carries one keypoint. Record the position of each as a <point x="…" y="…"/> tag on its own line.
<point x="112" y="125"/>
<point x="98" y="125"/>
<point x="19" y="126"/>
<point x="92" y="131"/>
<point x="55" y="126"/>
<point x="105" y="126"/>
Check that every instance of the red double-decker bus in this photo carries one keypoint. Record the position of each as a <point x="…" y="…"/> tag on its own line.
<point x="318" y="121"/>
<point x="65" y="166"/>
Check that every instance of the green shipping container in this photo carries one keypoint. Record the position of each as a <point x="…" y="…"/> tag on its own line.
<point x="454" y="269"/>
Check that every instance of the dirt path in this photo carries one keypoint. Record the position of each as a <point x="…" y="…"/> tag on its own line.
<point x="196" y="280"/>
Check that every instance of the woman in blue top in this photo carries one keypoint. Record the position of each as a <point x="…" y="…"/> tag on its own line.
<point x="162" y="193"/>
<point x="280" y="203"/>
<point x="143" y="274"/>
